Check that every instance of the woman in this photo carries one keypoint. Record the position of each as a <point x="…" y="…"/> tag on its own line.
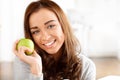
<point x="56" y="55"/>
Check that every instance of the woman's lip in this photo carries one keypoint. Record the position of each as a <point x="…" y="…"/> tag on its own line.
<point x="50" y="43"/>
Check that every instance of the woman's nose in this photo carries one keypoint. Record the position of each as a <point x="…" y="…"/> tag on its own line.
<point x="45" y="36"/>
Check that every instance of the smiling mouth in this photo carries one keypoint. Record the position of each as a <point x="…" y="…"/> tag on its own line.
<point x="50" y="43"/>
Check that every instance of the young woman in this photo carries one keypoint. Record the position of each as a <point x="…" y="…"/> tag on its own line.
<point x="57" y="54"/>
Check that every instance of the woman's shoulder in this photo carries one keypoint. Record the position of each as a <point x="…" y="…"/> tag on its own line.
<point x="88" y="68"/>
<point x="86" y="60"/>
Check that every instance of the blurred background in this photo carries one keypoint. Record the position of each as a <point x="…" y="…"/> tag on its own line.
<point x="96" y="23"/>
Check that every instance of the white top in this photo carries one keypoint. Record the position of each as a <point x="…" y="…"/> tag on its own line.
<point x="22" y="70"/>
<point x="110" y="77"/>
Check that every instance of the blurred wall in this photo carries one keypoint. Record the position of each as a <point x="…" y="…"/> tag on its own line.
<point x="103" y="18"/>
<point x="11" y="16"/>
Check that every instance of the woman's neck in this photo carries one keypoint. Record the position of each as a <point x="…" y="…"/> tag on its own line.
<point x="57" y="55"/>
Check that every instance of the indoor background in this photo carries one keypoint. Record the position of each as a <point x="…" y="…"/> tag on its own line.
<point x="96" y="23"/>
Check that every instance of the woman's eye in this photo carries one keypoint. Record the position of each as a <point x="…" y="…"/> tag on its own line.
<point x="50" y="26"/>
<point x="35" y="32"/>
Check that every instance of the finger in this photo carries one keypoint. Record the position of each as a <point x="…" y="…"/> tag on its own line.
<point x="15" y="44"/>
<point x="21" y="54"/>
<point x="14" y="47"/>
<point x="28" y="50"/>
<point x="23" y="50"/>
<point x="24" y="57"/>
<point x="35" y="53"/>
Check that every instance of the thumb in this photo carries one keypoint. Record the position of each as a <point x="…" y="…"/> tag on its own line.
<point x="27" y="50"/>
<point x="35" y="54"/>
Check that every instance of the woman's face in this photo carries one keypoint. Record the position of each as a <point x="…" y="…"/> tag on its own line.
<point x="46" y="31"/>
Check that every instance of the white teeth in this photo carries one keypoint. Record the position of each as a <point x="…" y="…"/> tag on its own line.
<point x="48" y="44"/>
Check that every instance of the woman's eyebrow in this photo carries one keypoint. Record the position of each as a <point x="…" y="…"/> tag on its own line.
<point x="48" y="22"/>
<point x="34" y="27"/>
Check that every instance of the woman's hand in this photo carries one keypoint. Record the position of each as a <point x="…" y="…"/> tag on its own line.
<point x="33" y="60"/>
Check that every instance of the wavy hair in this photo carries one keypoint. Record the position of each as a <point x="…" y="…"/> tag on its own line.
<point x="69" y="65"/>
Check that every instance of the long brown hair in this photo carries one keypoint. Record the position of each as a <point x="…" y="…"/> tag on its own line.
<point x="69" y="65"/>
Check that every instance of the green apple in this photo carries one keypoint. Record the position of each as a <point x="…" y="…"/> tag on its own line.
<point x="27" y="43"/>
